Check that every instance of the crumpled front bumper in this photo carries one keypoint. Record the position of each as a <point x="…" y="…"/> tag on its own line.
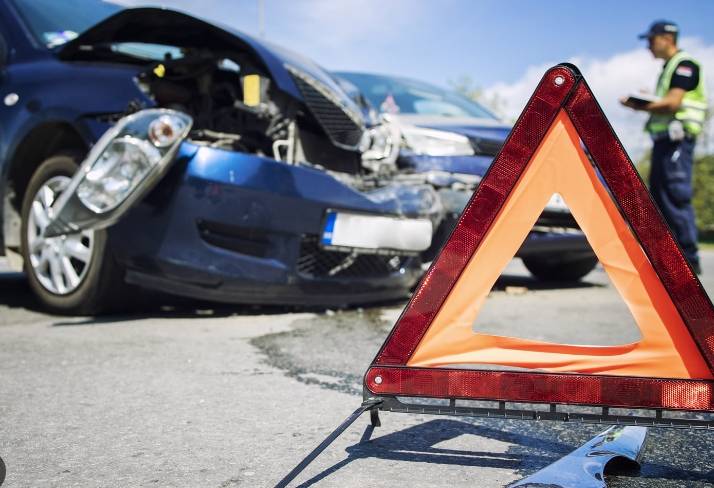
<point x="239" y="228"/>
<point x="555" y="233"/>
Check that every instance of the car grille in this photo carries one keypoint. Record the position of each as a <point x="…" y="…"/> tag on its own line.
<point x="253" y="242"/>
<point x="315" y="262"/>
<point x="341" y="127"/>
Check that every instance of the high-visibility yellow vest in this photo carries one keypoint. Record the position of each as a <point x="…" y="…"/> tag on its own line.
<point x="692" y="112"/>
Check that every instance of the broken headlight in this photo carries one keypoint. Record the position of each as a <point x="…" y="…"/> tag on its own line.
<point x="129" y="157"/>
<point x="380" y="147"/>
<point x="432" y="142"/>
<point x="122" y="167"/>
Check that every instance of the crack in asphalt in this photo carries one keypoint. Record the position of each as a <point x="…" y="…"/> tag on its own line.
<point x="347" y="341"/>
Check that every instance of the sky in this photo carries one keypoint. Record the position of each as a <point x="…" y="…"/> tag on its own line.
<point x="503" y="46"/>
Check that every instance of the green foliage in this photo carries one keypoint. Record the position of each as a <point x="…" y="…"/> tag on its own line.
<point x="704" y="193"/>
<point x="703" y="190"/>
<point x="466" y="86"/>
<point x="643" y="167"/>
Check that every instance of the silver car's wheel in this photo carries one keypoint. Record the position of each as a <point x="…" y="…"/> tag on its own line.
<point x="60" y="264"/>
<point x="559" y="266"/>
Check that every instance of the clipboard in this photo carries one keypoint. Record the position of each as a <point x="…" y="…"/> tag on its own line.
<point x="641" y="99"/>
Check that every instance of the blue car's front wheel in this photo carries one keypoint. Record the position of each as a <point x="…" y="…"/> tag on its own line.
<point x="72" y="273"/>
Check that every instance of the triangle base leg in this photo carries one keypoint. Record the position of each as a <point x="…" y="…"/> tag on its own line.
<point x="370" y="405"/>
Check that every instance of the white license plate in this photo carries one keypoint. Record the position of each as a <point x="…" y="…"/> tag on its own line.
<point x="345" y="229"/>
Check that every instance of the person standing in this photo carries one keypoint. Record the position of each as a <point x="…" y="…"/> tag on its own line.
<point x="676" y="119"/>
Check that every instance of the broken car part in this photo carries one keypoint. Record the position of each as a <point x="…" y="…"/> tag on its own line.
<point x="238" y="213"/>
<point x="585" y="467"/>
<point x="445" y="133"/>
<point x="127" y="161"/>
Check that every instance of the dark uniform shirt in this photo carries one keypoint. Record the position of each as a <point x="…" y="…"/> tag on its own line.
<point x="685" y="76"/>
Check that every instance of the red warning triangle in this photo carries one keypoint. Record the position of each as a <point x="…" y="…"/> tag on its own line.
<point x="433" y="351"/>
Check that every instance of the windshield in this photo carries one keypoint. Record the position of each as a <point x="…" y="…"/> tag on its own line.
<point x="54" y="22"/>
<point x="390" y="94"/>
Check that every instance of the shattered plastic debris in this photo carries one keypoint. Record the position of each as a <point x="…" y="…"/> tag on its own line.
<point x="516" y="290"/>
<point x="411" y="200"/>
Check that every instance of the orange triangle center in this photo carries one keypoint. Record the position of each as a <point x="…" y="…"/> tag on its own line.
<point x="666" y="349"/>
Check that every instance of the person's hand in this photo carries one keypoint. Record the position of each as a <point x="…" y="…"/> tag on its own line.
<point x="627" y="103"/>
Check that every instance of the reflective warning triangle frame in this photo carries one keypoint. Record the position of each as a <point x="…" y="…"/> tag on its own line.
<point x="391" y="381"/>
<point x="390" y="384"/>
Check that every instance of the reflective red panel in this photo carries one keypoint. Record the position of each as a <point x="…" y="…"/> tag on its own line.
<point x="614" y="391"/>
<point x="477" y="218"/>
<point x="636" y="204"/>
<point x="560" y="88"/>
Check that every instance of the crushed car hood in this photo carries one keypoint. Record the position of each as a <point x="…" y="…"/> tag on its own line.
<point x="486" y="136"/>
<point x="471" y="127"/>
<point x="169" y="27"/>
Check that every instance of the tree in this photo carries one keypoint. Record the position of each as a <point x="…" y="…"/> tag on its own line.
<point x="704" y="194"/>
<point x="703" y="183"/>
<point x="466" y="86"/>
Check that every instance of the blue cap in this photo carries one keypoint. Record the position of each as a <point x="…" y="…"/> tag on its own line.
<point x="661" y="27"/>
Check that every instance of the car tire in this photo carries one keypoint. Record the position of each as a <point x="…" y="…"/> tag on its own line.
<point x="71" y="274"/>
<point x="559" y="268"/>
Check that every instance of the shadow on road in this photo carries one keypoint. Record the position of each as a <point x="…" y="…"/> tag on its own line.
<point x="534" y="451"/>
<point x="652" y="474"/>
<point x="16" y="293"/>
<point x="156" y="305"/>
<point x="507" y="280"/>
<point x="420" y="444"/>
<point x="166" y="308"/>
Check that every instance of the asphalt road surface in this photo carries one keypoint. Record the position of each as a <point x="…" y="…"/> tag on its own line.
<point x="189" y="395"/>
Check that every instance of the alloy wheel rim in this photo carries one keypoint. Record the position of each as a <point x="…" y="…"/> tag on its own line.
<point x="59" y="263"/>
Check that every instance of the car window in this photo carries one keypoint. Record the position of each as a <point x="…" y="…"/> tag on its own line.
<point x="55" y="22"/>
<point x="391" y="94"/>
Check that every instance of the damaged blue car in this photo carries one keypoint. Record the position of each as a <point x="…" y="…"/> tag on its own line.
<point x="147" y="148"/>
<point x="450" y="142"/>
